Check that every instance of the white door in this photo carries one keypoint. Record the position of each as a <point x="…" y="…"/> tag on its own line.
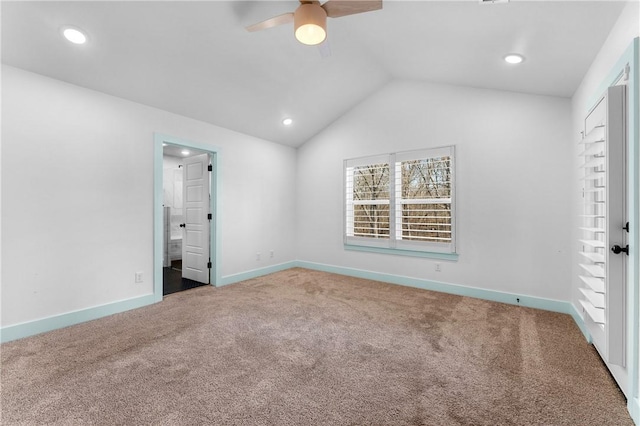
<point x="195" y="239"/>
<point x="604" y="249"/>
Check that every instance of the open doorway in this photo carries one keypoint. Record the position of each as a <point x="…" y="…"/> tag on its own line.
<point x="185" y="216"/>
<point x="186" y="189"/>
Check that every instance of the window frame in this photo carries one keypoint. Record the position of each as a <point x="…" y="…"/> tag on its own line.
<point x="394" y="244"/>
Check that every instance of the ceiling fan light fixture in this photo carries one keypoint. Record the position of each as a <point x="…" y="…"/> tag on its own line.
<point x="310" y="24"/>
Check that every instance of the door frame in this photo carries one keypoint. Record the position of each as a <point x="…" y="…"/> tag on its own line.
<point x="158" y="200"/>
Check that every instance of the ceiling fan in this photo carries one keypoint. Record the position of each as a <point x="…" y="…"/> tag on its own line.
<point x="310" y="18"/>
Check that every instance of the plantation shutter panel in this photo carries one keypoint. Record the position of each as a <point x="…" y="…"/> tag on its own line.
<point x="367" y="201"/>
<point x="592" y="273"/>
<point x="424" y="190"/>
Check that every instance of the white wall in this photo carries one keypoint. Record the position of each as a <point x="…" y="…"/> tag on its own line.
<point x="77" y="194"/>
<point x="172" y="181"/>
<point x="513" y="183"/>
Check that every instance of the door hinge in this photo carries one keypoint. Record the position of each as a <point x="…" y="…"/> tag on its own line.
<point x="627" y="70"/>
<point x="209" y="265"/>
<point x="209" y="216"/>
<point x="210" y="168"/>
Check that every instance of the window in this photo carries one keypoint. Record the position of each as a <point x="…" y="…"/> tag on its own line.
<point x="401" y="201"/>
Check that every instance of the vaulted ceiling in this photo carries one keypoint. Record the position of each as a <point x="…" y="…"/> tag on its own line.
<point x="196" y="58"/>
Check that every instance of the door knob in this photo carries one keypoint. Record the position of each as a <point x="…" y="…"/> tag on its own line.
<point x="617" y="249"/>
<point x="626" y="227"/>
<point x="183" y="225"/>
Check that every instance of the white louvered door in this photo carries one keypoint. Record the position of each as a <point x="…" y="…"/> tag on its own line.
<point x="602" y="271"/>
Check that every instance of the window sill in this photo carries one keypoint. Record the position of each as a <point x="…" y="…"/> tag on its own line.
<point x="401" y="252"/>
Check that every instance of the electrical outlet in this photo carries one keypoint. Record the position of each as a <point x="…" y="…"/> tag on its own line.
<point x="271" y="253"/>
<point x="438" y="267"/>
<point x="258" y="256"/>
<point x="138" y="277"/>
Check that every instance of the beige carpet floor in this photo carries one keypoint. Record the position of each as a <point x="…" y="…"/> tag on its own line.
<point x="302" y="347"/>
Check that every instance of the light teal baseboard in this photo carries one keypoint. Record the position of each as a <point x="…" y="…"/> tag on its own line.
<point x="19" y="331"/>
<point x="460" y="290"/>
<point x="254" y="273"/>
<point x="633" y="406"/>
<point x="478" y="293"/>
<point x="580" y="322"/>
<point x="31" y="328"/>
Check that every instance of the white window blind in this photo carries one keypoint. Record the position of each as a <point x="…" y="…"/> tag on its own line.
<point x="401" y="201"/>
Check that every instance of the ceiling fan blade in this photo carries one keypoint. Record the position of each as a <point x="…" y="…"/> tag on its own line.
<point x="271" y="22"/>
<point x="338" y="8"/>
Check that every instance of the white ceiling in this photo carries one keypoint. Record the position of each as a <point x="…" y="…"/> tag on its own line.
<point x="196" y="59"/>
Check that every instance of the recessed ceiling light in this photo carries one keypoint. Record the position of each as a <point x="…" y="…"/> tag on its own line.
<point x="74" y="35"/>
<point x="185" y="152"/>
<point x="287" y="121"/>
<point x="513" y="58"/>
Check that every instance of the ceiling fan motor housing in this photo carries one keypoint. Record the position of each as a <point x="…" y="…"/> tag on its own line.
<point x="310" y="24"/>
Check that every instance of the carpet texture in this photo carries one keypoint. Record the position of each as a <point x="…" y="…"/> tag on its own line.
<point x="302" y="347"/>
